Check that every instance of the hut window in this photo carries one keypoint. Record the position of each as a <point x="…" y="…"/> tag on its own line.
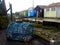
<point x="52" y="9"/>
<point x="47" y="9"/>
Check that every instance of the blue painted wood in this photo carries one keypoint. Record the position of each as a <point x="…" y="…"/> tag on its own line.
<point x="31" y="12"/>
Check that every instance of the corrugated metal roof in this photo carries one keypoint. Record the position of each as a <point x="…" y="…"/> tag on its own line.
<point x="54" y="4"/>
<point x="50" y="5"/>
<point x="42" y="6"/>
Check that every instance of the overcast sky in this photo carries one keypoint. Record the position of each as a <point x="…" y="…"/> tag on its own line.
<point x="19" y="5"/>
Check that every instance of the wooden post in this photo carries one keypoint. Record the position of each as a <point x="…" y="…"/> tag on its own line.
<point x="37" y="14"/>
<point x="11" y="12"/>
<point x="37" y="17"/>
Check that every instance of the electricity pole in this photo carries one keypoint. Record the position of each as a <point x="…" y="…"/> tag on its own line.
<point x="33" y="3"/>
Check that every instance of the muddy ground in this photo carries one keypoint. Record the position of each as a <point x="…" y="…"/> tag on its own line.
<point x="3" y="41"/>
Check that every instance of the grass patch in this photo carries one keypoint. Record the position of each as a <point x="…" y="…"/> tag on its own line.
<point x="45" y="27"/>
<point x="37" y="25"/>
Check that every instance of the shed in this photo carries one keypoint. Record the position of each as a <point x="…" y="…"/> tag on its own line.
<point x="52" y="10"/>
<point x="31" y="12"/>
<point x="40" y="9"/>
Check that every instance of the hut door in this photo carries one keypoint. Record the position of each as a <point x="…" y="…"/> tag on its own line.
<point x="58" y="12"/>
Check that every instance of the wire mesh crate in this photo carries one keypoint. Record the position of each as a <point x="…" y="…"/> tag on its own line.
<point x="19" y="31"/>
